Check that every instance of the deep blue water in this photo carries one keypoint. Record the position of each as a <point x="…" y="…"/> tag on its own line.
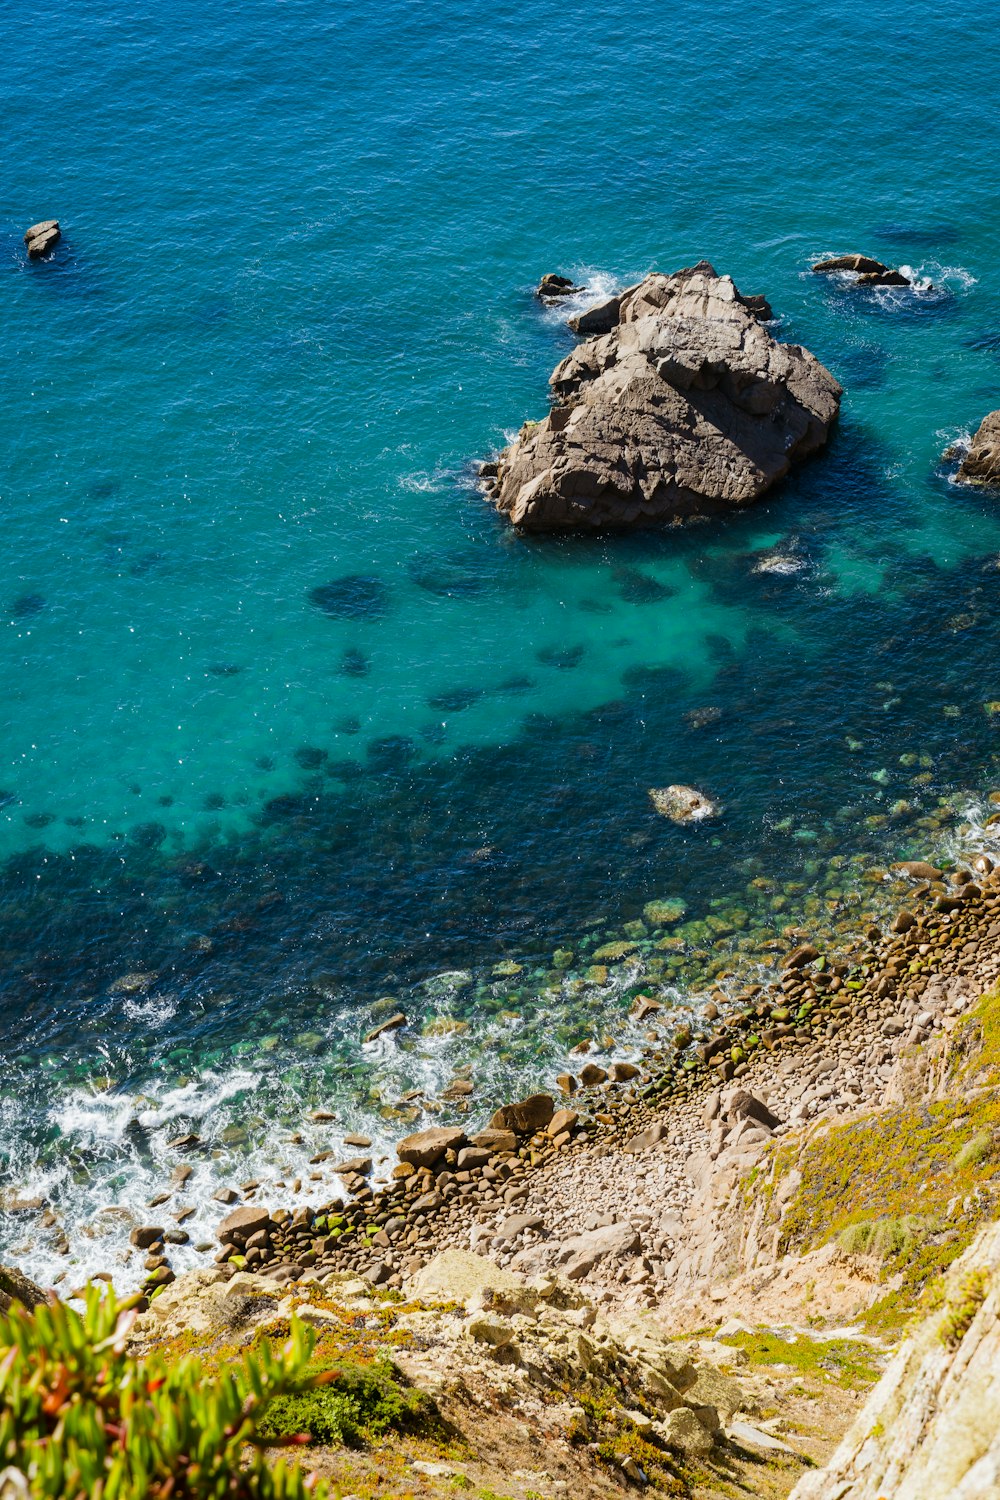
<point x="293" y="722"/>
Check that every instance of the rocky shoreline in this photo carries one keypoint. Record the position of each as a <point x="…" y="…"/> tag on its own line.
<point x="543" y="1187"/>
<point x="687" y="1277"/>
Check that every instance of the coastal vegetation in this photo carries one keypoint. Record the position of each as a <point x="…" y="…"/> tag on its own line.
<point x="80" y="1416"/>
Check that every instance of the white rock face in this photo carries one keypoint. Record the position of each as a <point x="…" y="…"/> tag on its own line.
<point x="931" y="1428"/>
<point x="687" y="407"/>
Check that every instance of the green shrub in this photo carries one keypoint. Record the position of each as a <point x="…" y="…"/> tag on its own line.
<point x="885" y="1237"/>
<point x="82" y="1419"/>
<point x="366" y="1401"/>
<point x="979" y="1149"/>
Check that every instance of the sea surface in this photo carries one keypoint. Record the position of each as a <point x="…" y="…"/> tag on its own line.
<point x="296" y="732"/>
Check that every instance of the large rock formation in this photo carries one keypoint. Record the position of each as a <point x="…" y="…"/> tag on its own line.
<point x="981" y="465"/>
<point x="931" y="1428"/>
<point x="687" y="407"/>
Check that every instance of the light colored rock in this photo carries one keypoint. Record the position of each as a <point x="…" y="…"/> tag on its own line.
<point x="687" y="406"/>
<point x="646" y="1139"/>
<point x="237" y="1227"/>
<point x="577" y="1256"/>
<point x="246" y="1284"/>
<point x="869" y="272"/>
<point x="516" y="1224"/>
<point x="462" y="1276"/>
<point x="489" y="1328"/>
<point x="682" y="1429"/>
<point x="526" y="1115"/>
<point x="683" y="804"/>
<point x="600" y="317"/>
<point x="981" y="465"/>
<point x="428" y="1146"/>
<point x="42" y="237"/>
<point x="746" y="1434"/>
<point x="930" y="1430"/>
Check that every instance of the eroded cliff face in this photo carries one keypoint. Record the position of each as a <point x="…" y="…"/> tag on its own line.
<point x="931" y="1428"/>
<point x="688" y="406"/>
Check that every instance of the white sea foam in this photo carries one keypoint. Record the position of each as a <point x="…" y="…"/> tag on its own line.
<point x="782" y="563"/>
<point x="422" y="483"/>
<point x="596" y="285"/>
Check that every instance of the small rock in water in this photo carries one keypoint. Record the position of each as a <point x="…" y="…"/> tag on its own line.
<point x="393" y="1024"/>
<point x="145" y="1235"/>
<point x="551" y="287"/>
<point x="683" y="804"/>
<point x="459" y="1088"/>
<point x="132" y="984"/>
<point x="42" y="237"/>
<point x="662" y="913"/>
<point x="869" y="272"/>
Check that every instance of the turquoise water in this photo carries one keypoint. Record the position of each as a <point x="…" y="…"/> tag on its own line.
<point x="293" y="721"/>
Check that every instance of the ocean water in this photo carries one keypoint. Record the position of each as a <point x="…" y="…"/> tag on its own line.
<point x="293" y="723"/>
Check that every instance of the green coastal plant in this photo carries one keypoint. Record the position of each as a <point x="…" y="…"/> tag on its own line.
<point x="367" y="1400"/>
<point x="82" y="1419"/>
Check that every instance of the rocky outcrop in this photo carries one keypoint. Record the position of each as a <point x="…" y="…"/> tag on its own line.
<point x="16" y="1288"/>
<point x="869" y="272"/>
<point x="688" y="407"/>
<point x="683" y="804"/>
<point x="41" y="238"/>
<point x="981" y="465"/>
<point x="931" y="1428"/>
<point x="552" y="287"/>
<point x="601" y="317"/>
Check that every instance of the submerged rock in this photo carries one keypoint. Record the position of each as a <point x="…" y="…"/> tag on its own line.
<point x="687" y="407"/>
<point x="353" y="597"/>
<point x="42" y="237"/>
<point x="869" y="272"/>
<point x="683" y="804"/>
<point x="981" y="465"/>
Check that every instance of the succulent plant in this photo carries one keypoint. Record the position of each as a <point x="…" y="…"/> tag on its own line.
<point x="83" y="1419"/>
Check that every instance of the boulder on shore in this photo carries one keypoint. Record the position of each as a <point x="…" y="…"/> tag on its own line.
<point x="981" y="465"/>
<point x="428" y="1146"/>
<point x="870" y="272"/>
<point x="42" y="237"/>
<point x="526" y="1115"/>
<point x="686" y="408"/>
<point x="16" y="1287"/>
